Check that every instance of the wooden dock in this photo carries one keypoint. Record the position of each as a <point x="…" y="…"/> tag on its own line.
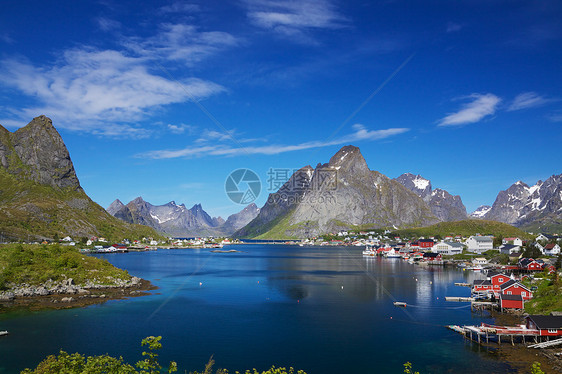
<point x="485" y="334"/>
<point x="459" y="299"/>
<point x="463" y="284"/>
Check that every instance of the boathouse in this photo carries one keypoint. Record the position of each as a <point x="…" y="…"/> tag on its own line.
<point x="547" y="325"/>
<point x="511" y="302"/>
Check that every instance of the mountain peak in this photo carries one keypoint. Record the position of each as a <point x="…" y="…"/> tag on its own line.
<point x="350" y="158"/>
<point x="37" y="152"/>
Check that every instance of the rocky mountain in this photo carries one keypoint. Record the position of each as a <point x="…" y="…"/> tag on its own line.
<point x="538" y="207"/>
<point x="443" y="205"/>
<point x="40" y="194"/>
<point x="481" y="211"/>
<point x="341" y="194"/>
<point x="179" y="221"/>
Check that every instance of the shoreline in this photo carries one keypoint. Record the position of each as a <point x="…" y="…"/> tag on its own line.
<point x="83" y="298"/>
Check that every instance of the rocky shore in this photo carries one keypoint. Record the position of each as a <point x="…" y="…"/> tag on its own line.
<point x="68" y="294"/>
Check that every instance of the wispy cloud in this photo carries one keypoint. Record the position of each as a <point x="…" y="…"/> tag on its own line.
<point x="180" y="129"/>
<point x="360" y="134"/>
<point x="527" y="100"/>
<point x="482" y="105"/>
<point x="181" y="42"/>
<point x="555" y="117"/>
<point x="106" y="91"/>
<point x="89" y="89"/>
<point x="453" y="27"/>
<point x="180" y="7"/>
<point x="107" y="24"/>
<point x="294" y="18"/>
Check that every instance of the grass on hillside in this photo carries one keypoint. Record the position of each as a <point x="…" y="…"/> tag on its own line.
<point x="548" y="296"/>
<point x="31" y="211"/>
<point x="35" y="264"/>
<point x="466" y="228"/>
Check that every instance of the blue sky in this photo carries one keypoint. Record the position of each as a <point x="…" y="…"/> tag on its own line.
<point x="164" y="99"/>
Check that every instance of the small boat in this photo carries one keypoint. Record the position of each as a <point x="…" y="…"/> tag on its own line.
<point x="2" y="333"/>
<point x="400" y="303"/>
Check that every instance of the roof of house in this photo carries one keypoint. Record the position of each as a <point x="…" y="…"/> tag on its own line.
<point x="509" y="246"/>
<point x="511" y="283"/>
<point x="511" y="297"/>
<point x="493" y="274"/>
<point x="483" y="239"/>
<point x="482" y="282"/>
<point x="546" y="322"/>
<point x="509" y="239"/>
<point x="550" y="246"/>
<point x="425" y="240"/>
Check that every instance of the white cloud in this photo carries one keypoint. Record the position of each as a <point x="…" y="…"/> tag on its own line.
<point x="482" y="105"/>
<point x="104" y="91"/>
<point x="180" y="129"/>
<point x="360" y="134"/>
<point x="181" y="42"/>
<point x="527" y="100"/>
<point x="90" y="88"/>
<point x="294" y="17"/>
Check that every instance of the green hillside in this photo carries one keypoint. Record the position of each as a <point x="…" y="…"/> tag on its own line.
<point x="466" y="228"/>
<point x="30" y="211"/>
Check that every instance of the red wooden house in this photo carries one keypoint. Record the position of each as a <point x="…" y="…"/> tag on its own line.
<point x="530" y="264"/>
<point x="426" y="243"/>
<point x="512" y="302"/>
<point x="482" y="285"/>
<point x="512" y="287"/>
<point x="547" y="325"/>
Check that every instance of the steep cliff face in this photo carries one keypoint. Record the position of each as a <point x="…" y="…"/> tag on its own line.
<point x="40" y="195"/>
<point x="443" y="205"/>
<point x="340" y="194"/>
<point x="537" y="208"/>
<point x="37" y="152"/>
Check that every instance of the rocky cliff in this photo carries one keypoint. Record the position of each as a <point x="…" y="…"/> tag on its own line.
<point x="443" y="205"/>
<point x="40" y="195"/>
<point x="341" y="194"/>
<point x="537" y="208"/>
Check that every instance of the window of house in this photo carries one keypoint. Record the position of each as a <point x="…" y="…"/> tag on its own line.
<point x="509" y="292"/>
<point x="553" y="331"/>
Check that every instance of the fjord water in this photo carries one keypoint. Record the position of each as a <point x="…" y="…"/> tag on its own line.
<point x="320" y="309"/>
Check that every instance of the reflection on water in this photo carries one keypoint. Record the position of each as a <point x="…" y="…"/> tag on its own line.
<point x="325" y="310"/>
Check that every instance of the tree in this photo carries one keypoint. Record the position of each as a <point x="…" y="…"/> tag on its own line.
<point x="532" y="251"/>
<point x="498" y="240"/>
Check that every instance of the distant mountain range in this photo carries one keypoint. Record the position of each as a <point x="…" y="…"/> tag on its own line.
<point x="345" y="194"/>
<point x="342" y="194"/>
<point x="536" y="208"/>
<point x="40" y="195"/>
<point x="443" y="205"/>
<point x="178" y="221"/>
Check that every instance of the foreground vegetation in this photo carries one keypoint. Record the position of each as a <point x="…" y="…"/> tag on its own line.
<point x="35" y="264"/>
<point x="78" y="364"/>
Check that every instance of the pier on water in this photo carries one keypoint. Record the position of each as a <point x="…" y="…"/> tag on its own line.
<point x="486" y="334"/>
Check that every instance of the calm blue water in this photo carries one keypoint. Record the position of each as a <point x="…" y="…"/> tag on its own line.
<point x="323" y="310"/>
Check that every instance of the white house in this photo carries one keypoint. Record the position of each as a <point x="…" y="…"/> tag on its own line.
<point x="479" y="244"/>
<point x="510" y="249"/>
<point x="448" y="248"/>
<point x="514" y="241"/>
<point x="66" y="239"/>
<point x="479" y="261"/>
<point x="551" y="249"/>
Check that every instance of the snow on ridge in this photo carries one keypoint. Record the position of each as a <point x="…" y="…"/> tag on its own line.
<point x="534" y="188"/>
<point x="481" y="211"/>
<point x="421" y="183"/>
